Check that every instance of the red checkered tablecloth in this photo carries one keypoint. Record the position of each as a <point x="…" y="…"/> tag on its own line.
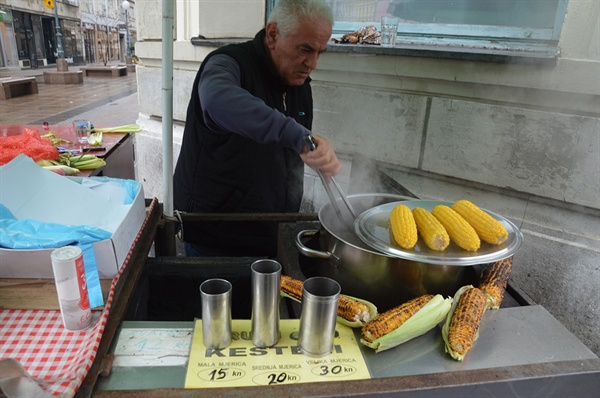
<point x="58" y="359"/>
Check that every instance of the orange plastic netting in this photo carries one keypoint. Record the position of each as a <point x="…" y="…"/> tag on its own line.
<point x="29" y="143"/>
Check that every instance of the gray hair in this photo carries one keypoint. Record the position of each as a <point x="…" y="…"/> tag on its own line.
<point x="288" y="13"/>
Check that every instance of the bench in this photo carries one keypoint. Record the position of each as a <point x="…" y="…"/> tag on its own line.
<point x="60" y="77"/>
<point x="111" y="71"/>
<point x="130" y="68"/>
<point x="17" y="86"/>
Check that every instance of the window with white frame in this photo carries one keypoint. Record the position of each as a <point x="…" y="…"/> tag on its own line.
<point x="531" y="26"/>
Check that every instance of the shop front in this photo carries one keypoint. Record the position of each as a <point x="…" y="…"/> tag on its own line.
<point x="36" y="39"/>
<point x="101" y="37"/>
<point x="8" y="49"/>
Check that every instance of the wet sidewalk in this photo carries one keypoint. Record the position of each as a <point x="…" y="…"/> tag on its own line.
<point x="105" y="101"/>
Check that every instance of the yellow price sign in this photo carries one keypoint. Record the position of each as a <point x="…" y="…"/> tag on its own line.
<point x="49" y="4"/>
<point x="242" y="364"/>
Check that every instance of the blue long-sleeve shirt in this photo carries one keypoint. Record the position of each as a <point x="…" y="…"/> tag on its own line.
<point x="228" y="107"/>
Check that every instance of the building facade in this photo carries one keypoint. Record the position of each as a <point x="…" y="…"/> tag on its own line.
<point x="415" y="110"/>
<point x="104" y="29"/>
<point x="90" y="31"/>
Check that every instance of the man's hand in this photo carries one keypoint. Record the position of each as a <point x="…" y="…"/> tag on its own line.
<point x="322" y="158"/>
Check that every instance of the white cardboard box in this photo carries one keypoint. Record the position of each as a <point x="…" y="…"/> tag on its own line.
<point x="29" y="191"/>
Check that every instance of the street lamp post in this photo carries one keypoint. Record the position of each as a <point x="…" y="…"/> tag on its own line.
<point x="126" y="5"/>
<point x="59" y="44"/>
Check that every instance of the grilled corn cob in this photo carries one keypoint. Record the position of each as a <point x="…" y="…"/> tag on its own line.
<point x="291" y="287"/>
<point x="404" y="228"/>
<point x="431" y="230"/>
<point x="457" y="227"/>
<point x="391" y="319"/>
<point x="352" y="311"/>
<point x="405" y="322"/>
<point x="461" y="328"/>
<point x="493" y="282"/>
<point x="487" y="227"/>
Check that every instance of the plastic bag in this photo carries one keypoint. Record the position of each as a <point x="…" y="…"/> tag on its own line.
<point x="29" y="143"/>
<point x="115" y="190"/>
<point x="27" y="234"/>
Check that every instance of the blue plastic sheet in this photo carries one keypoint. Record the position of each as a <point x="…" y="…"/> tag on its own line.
<point x="31" y="234"/>
<point x="123" y="191"/>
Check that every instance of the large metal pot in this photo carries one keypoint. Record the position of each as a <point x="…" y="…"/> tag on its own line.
<point x="367" y="273"/>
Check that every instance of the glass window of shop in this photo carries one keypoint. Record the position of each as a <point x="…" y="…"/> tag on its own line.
<point x="108" y="44"/>
<point x="8" y="49"/>
<point x="72" y="41"/>
<point x="482" y="24"/>
<point x="29" y="37"/>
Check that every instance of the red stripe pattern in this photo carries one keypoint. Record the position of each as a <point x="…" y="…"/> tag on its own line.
<point x="56" y="358"/>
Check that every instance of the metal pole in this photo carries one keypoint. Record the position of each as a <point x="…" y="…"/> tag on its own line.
<point x="128" y="49"/>
<point x="107" y="56"/>
<point x="167" y="108"/>
<point x="59" y="45"/>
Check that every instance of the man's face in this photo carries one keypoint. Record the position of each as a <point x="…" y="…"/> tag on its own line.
<point x="295" y="55"/>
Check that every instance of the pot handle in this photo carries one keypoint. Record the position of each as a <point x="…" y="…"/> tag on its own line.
<point x="308" y="252"/>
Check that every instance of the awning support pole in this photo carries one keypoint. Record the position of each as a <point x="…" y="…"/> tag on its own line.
<point x="167" y="107"/>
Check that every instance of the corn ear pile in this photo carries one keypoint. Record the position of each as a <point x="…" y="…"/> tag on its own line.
<point x="405" y="322"/>
<point x="72" y="165"/>
<point x="431" y="230"/>
<point x="487" y="227"/>
<point x="352" y="311"/>
<point x="461" y="328"/>
<point x="84" y="162"/>
<point x="56" y="167"/>
<point x="493" y="281"/>
<point x="403" y="226"/>
<point x="459" y="230"/>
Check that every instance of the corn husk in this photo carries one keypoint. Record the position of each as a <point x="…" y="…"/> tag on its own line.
<point x="95" y="139"/>
<point x="128" y="128"/>
<point x="83" y="162"/>
<point x="421" y="322"/>
<point x="62" y="170"/>
<point x="356" y="324"/>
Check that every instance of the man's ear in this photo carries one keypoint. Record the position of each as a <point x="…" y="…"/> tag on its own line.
<point x="271" y="33"/>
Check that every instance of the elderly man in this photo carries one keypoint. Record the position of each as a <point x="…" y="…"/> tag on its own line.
<point x="243" y="147"/>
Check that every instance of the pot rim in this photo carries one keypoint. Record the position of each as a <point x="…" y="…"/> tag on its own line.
<point x="359" y="244"/>
<point x="373" y="246"/>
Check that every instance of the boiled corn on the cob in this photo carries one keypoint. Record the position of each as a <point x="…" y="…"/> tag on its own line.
<point x="431" y="230"/>
<point x="352" y="311"/>
<point x="487" y="227"/>
<point x="461" y="328"/>
<point x="494" y="279"/>
<point x="458" y="228"/>
<point x="404" y="228"/>
<point x="405" y="322"/>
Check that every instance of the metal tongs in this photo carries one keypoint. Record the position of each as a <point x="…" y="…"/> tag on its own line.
<point x="350" y="215"/>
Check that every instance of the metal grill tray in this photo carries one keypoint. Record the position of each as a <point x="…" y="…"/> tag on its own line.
<point x="372" y="227"/>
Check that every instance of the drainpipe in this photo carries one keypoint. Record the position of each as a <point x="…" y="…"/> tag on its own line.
<point x="167" y="106"/>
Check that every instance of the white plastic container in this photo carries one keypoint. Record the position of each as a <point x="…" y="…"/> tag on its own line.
<point x="71" y="286"/>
